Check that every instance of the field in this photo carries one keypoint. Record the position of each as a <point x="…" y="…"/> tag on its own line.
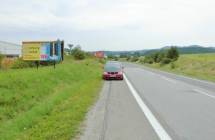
<point x="47" y="103"/>
<point x="201" y="66"/>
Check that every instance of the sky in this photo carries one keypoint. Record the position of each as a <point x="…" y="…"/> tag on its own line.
<point x="110" y="24"/>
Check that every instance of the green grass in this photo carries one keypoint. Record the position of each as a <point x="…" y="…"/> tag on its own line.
<point x="201" y="66"/>
<point x="47" y="103"/>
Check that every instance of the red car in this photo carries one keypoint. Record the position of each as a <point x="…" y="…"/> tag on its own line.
<point x="113" y="70"/>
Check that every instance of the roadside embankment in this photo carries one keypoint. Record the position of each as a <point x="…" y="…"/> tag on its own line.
<point x="47" y="103"/>
<point x="201" y="66"/>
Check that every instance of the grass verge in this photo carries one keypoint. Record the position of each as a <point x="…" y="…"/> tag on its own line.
<point x="47" y="103"/>
<point x="201" y="66"/>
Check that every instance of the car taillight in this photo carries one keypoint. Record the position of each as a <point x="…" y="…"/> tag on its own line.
<point x="120" y="72"/>
<point x="105" y="73"/>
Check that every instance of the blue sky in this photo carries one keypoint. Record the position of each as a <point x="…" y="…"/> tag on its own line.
<point x="110" y="24"/>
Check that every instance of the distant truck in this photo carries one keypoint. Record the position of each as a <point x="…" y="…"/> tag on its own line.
<point x="43" y="50"/>
<point x="99" y="54"/>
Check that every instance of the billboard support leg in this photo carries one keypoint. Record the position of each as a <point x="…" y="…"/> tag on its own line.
<point x="54" y="64"/>
<point x="37" y="63"/>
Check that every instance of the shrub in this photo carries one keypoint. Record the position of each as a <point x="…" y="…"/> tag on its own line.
<point x="172" y="65"/>
<point x="123" y="55"/>
<point x="1" y="57"/>
<point x="102" y="61"/>
<point x="116" y="58"/>
<point x="7" y="63"/>
<point x="165" y="61"/>
<point x="20" y="64"/>
<point x="134" y="59"/>
<point x="113" y="57"/>
<point x="148" y="59"/>
<point x="172" y="53"/>
<point x="161" y="56"/>
<point x="78" y="53"/>
<point x="141" y="59"/>
<point x="128" y="58"/>
<point x="155" y="57"/>
<point x="110" y="57"/>
<point x="89" y="55"/>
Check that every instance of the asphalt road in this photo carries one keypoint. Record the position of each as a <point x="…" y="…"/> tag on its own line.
<point x="183" y="107"/>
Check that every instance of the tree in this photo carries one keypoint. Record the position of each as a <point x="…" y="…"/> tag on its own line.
<point x="78" y="53"/>
<point x="110" y="56"/>
<point x="155" y="57"/>
<point x="70" y="47"/>
<point x="136" y="54"/>
<point x="134" y="58"/>
<point x="148" y="59"/>
<point x="172" y="53"/>
<point x="161" y="56"/>
<point x="122" y="55"/>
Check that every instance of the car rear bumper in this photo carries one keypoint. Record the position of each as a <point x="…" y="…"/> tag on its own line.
<point x="113" y="77"/>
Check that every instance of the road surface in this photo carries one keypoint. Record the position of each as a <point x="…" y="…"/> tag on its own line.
<point x="152" y="105"/>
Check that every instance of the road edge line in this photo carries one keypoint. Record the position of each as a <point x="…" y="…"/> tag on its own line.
<point x="160" y="131"/>
<point x="204" y="93"/>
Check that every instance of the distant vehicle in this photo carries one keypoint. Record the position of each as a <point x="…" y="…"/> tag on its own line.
<point x="113" y="70"/>
<point x="99" y="54"/>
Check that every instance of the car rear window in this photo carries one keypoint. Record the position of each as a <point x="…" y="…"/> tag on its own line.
<point x="112" y="67"/>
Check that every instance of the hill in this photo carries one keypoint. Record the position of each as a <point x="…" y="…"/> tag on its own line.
<point x="193" y="49"/>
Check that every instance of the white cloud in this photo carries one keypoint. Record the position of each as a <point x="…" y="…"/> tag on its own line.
<point x="173" y="21"/>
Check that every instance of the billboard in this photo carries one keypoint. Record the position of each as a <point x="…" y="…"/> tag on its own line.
<point x="32" y="51"/>
<point x="42" y="51"/>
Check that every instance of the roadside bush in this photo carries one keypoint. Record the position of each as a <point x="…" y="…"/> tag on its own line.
<point x="20" y="64"/>
<point x="122" y="56"/>
<point x="102" y="61"/>
<point x="110" y="56"/>
<point x="172" y="53"/>
<point x="89" y="55"/>
<point x="78" y="53"/>
<point x="113" y="57"/>
<point x="161" y="56"/>
<point x="7" y="63"/>
<point x="166" y="61"/>
<point x="141" y="59"/>
<point x="172" y="65"/>
<point x="134" y="59"/>
<point x="128" y="58"/>
<point x="116" y="58"/>
<point x="1" y="58"/>
<point x="148" y="59"/>
<point x="155" y="57"/>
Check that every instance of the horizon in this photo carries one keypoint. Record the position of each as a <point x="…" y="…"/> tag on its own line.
<point x="184" y="46"/>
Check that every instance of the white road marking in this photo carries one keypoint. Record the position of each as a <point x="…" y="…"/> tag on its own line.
<point x="161" y="132"/>
<point x="178" y="75"/>
<point x="168" y="79"/>
<point x="150" y="73"/>
<point x="204" y="93"/>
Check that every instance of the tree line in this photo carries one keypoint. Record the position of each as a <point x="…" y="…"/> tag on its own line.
<point x="163" y="57"/>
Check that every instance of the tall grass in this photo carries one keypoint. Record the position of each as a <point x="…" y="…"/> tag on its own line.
<point x="200" y="66"/>
<point x="47" y="103"/>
